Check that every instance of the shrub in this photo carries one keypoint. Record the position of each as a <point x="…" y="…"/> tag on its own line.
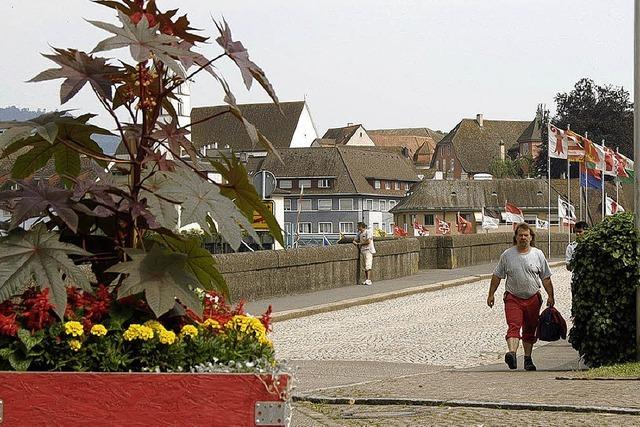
<point x="604" y="283"/>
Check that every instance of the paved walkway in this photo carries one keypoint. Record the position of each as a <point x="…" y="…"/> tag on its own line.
<point x="357" y="392"/>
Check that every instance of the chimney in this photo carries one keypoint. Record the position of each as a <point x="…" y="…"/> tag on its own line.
<point x="501" y="147"/>
<point x="349" y="124"/>
<point x="479" y="119"/>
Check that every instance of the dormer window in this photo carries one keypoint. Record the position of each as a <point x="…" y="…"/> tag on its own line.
<point x="323" y="183"/>
<point x="376" y="184"/>
<point x="304" y="183"/>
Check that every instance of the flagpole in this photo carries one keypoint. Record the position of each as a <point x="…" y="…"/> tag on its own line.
<point x="617" y="179"/>
<point x="602" y="178"/>
<point x="549" y="198"/>
<point x="568" y="194"/>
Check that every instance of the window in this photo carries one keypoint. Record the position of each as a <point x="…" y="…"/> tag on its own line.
<point x="287" y="204"/>
<point x="285" y="183"/>
<point x="406" y="185"/>
<point x="428" y="219"/>
<point x="439" y="168"/>
<point x="392" y="203"/>
<point x="346" y="227"/>
<point x="305" y="205"/>
<point x="304" y="227"/>
<point x="323" y="183"/>
<point x="325" y="205"/>
<point x="376" y="205"/>
<point x="383" y="205"/>
<point x="397" y="186"/>
<point x="391" y="225"/>
<point x="524" y="149"/>
<point x="376" y="225"/>
<point x="376" y="184"/>
<point x="384" y="227"/>
<point x="325" y="227"/>
<point x="368" y="205"/>
<point x="345" y="204"/>
<point x="304" y="183"/>
<point x="452" y="163"/>
<point x="387" y="185"/>
<point x="180" y="109"/>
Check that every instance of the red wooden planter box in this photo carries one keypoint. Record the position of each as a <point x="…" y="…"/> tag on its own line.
<point x="139" y="399"/>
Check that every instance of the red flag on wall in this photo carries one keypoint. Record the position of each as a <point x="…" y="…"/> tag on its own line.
<point x="442" y="227"/>
<point x="513" y="213"/>
<point x="464" y="226"/>
<point x="397" y="231"/>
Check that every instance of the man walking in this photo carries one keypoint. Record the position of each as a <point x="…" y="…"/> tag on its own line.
<point x="579" y="228"/>
<point x="364" y="240"/>
<point x="526" y="269"/>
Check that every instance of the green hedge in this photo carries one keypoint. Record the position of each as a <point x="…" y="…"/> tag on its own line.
<point x="603" y="287"/>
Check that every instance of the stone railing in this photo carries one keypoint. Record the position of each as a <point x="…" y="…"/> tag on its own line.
<point x="263" y="274"/>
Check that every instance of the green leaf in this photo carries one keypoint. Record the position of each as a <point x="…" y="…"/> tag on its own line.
<point x="162" y="276"/>
<point x="18" y="363"/>
<point x="237" y="187"/>
<point x="33" y="160"/>
<point x="67" y="163"/>
<point x="166" y="212"/>
<point x="38" y="256"/>
<point x="6" y="352"/>
<point x="29" y="341"/>
<point x="199" y="262"/>
<point x="199" y="198"/>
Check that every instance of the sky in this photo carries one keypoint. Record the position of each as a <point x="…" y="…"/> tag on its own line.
<point x="385" y="64"/>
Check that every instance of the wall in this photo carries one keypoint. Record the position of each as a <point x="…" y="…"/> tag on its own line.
<point x="471" y="249"/>
<point x="263" y="274"/>
<point x="305" y="132"/>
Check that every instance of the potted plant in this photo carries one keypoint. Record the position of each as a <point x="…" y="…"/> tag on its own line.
<point x="97" y="285"/>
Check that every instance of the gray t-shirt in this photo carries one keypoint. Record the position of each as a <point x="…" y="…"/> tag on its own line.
<point x="524" y="271"/>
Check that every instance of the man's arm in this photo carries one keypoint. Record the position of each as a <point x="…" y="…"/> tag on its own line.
<point x="495" y="282"/>
<point x="548" y="286"/>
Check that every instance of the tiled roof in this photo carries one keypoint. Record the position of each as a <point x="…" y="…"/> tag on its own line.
<point x="420" y="142"/>
<point x="476" y="147"/>
<point x="341" y="135"/>
<point x="352" y="167"/>
<point x="88" y="169"/>
<point x="227" y="130"/>
<point x="528" y="194"/>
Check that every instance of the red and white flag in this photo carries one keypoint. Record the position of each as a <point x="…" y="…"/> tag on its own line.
<point x="613" y="207"/>
<point x="557" y="143"/>
<point x="594" y="155"/>
<point x="400" y="232"/>
<point x="443" y="227"/>
<point x="420" y="230"/>
<point x="610" y="162"/>
<point x="464" y="226"/>
<point x="513" y="213"/>
<point x="575" y="146"/>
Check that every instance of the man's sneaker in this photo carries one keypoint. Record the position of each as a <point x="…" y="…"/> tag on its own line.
<point x="511" y="360"/>
<point x="528" y="364"/>
<point x="368" y="282"/>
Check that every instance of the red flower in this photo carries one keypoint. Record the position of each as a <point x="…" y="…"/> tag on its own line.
<point x="7" y="308"/>
<point x="38" y="311"/>
<point x="266" y="319"/>
<point x="8" y="325"/>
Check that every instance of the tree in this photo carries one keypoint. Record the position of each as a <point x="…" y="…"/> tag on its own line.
<point x="127" y="232"/>
<point x="509" y="168"/>
<point x="601" y="112"/>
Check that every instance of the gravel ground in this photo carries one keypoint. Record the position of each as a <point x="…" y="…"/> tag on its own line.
<point x="452" y="327"/>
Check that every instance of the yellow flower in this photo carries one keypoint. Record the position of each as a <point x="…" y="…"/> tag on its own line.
<point x="249" y="326"/>
<point x="98" y="330"/>
<point x="73" y="328"/>
<point x="75" y="345"/>
<point x="211" y="323"/>
<point x="137" y="331"/>
<point x="167" y="337"/>
<point x="189" y="330"/>
<point x="155" y="325"/>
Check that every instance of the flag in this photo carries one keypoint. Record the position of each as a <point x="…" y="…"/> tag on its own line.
<point x="613" y="207"/>
<point x="443" y="227"/>
<point x="590" y="178"/>
<point x="464" y="226"/>
<point x="575" y="146"/>
<point x="610" y="160"/>
<point x="325" y="241"/>
<point x="513" y="213"/>
<point x="397" y="231"/>
<point x="490" y="218"/>
<point x="594" y="155"/>
<point x="541" y="224"/>
<point x="557" y="143"/>
<point x="624" y="167"/>
<point x="566" y="210"/>
<point x="420" y="229"/>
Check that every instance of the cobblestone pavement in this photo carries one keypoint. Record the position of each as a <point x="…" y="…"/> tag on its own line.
<point x="306" y="415"/>
<point x="452" y="327"/>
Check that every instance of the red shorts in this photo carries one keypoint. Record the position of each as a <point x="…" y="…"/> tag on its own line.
<point x="522" y="314"/>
